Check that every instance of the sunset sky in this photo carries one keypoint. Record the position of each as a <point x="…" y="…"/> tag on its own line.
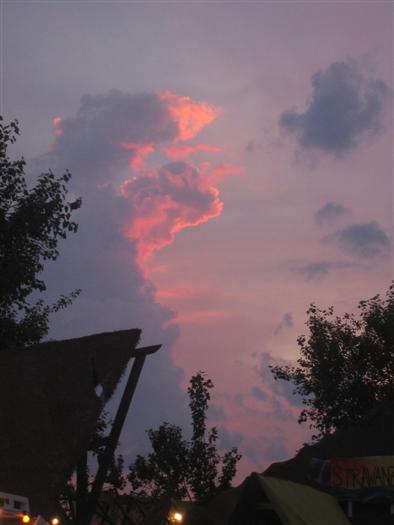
<point x="235" y="162"/>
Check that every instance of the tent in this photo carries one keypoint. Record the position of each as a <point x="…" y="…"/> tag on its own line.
<point x="259" y="500"/>
<point x="271" y="501"/>
<point x="371" y="436"/>
<point x="297" y="504"/>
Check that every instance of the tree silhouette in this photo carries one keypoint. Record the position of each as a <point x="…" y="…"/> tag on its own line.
<point x="32" y="220"/>
<point x="178" y="468"/>
<point x="346" y="364"/>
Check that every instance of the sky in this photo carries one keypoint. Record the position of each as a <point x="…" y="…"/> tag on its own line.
<point x="235" y="162"/>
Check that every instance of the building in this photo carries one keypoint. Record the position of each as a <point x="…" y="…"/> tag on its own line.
<point x="51" y="396"/>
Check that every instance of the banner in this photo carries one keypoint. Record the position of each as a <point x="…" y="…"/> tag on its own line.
<point x="362" y="472"/>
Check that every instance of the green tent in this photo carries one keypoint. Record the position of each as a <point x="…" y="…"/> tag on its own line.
<point x="297" y="504"/>
<point x="265" y="500"/>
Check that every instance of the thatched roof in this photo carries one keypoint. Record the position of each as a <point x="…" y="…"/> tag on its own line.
<point x="373" y="436"/>
<point x="49" y="406"/>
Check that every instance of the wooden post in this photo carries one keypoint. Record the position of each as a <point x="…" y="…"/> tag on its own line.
<point x="82" y="488"/>
<point x="113" y="438"/>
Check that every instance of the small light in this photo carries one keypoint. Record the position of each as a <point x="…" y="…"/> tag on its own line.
<point x="26" y="518"/>
<point x="178" y="517"/>
<point x="55" y="521"/>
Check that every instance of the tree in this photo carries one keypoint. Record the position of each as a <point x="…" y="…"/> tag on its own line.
<point x="178" y="468"/>
<point x="74" y="495"/>
<point x="346" y="365"/>
<point x="32" y="220"/>
<point x="114" y="480"/>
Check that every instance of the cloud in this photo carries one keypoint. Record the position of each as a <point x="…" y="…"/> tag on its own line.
<point x="365" y="240"/>
<point x="191" y="116"/>
<point x="115" y="131"/>
<point x="182" y="151"/>
<point x="266" y="449"/>
<point x="329" y="212"/>
<point x="280" y="411"/>
<point x="250" y="146"/>
<point x="345" y="106"/>
<point x="258" y="393"/>
<point x="133" y="203"/>
<point x="228" y="440"/>
<point x="94" y="142"/>
<point x="118" y="133"/>
<point x="286" y="322"/>
<point x="216" y="412"/>
<point x="275" y="447"/>
<point x="319" y="269"/>
<point x="239" y="399"/>
<point x="166" y="201"/>
<point x="282" y="389"/>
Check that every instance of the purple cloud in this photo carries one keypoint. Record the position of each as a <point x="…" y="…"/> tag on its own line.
<point x="329" y="212"/>
<point x="365" y="240"/>
<point x="344" y="107"/>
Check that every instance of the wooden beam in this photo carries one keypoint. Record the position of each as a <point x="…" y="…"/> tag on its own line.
<point x="82" y="488"/>
<point x="113" y="438"/>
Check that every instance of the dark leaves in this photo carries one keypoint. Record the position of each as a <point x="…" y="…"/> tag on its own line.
<point x="346" y="364"/>
<point x="178" y="468"/>
<point x="31" y="223"/>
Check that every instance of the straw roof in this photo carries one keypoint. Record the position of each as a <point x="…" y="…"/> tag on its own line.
<point x="49" y="406"/>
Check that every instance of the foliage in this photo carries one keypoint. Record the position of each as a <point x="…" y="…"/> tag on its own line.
<point x="346" y="365"/>
<point x="179" y="468"/>
<point x="32" y="220"/>
<point x="114" y="480"/>
<point x="164" y="471"/>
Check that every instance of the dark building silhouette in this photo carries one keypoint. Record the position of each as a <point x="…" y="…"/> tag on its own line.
<point x="51" y="396"/>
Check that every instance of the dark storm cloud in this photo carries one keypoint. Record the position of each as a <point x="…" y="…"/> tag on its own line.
<point x="345" y="105"/>
<point x="365" y="240"/>
<point x="330" y="212"/>
<point x="110" y="136"/>
<point x="101" y="261"/>
<point x="116" y="295"/>
<point x="319" y="269"/>
<point x="178" y="180"/>
<point x="99" y="140"/>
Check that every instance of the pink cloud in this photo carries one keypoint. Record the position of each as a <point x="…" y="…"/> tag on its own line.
<point x="218" y="172"/>
<point x="139" y="153"/>
<point x="190" y="115"/>
<point x="182" y="151"/>
<point x="166" y="201"/>
<point x="57" y="126"/>
<point x="179" y="292"/>
<point x="202" y="317"/>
